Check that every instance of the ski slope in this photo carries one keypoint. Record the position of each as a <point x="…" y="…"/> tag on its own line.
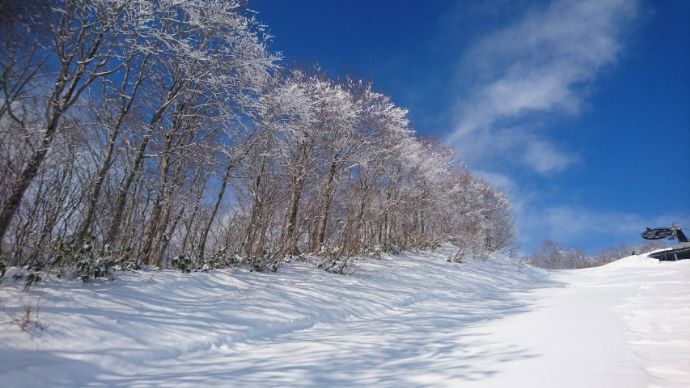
<point x="626" y="324"/>
<point x="409" y="320"/>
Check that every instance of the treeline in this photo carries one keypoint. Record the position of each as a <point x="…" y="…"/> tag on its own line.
<point x="165" y="132"/>
<point x="552" y="255"/>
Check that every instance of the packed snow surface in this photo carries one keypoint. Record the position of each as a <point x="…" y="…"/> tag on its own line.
<point x="408" y="320"/>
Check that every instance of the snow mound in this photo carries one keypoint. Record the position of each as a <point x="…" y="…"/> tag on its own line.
<point x="632" y="261"/>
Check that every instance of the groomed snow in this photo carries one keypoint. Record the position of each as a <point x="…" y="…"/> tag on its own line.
<point x="625" y="324"/>
<point x="410" y="320"/>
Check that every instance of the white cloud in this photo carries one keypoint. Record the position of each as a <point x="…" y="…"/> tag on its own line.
<point x="543" y="157"/>
<point x="512" y="83"/>
<point x="537" y="65"/>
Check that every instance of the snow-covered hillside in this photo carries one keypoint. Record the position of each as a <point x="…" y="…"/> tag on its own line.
<point x="625" y="324"/>
<point x="410" y="320"/>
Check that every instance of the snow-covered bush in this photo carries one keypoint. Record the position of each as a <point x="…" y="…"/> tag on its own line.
<point x="84" y="261"/>
<point x="335" y="260"/>
<point x="30" y="276"/>
<point x="264" y="262"/>
<point x="89" y="268"/>
<point x="393" y="249"/>
<point x="377" y="252"/>
<point x="182" y="263"/>
<point x="457" y="256"/>
<point x="220" y="259"/>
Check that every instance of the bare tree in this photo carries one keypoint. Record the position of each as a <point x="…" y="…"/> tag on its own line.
<point x="83" y="39"/>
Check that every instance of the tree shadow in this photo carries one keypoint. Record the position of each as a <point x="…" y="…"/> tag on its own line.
<point x="40" y="368"/>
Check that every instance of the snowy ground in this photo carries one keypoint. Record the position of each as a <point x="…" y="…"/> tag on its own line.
<point x="412" y="320"/>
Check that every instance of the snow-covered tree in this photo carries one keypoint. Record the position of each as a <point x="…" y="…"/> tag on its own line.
<point x="170" y="131"/>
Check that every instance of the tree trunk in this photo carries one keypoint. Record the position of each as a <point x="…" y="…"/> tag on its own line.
<point x="127" y="102"/>
<point x="156" y="211"/>
<point x="96" y="192"/>
<point x="164" y="244"/>
<point x="214" y="211"/>
<point x="361" y="231"/>
<point x="61" y="98"/>
<point x="290" y="241"/>
<point x="26" y="177"/>
<point x="326" y="205"/>
<point x="290" y="235"/>
<point x="189" y="223"/>
<point x="123" y="190"/>
<point x="256" y="208"/>
<point x="167" y="212"/>
<point x="114" y="229"/>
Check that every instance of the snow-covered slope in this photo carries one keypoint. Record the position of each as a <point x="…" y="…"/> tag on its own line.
<point x="625" y="324"/>
<point x="392" y="320"/>
<point x="410" y="320"/>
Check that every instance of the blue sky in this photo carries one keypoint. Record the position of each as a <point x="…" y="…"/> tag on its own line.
<point x="579" y="110"/>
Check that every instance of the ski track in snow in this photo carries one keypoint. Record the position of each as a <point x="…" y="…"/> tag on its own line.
<point x="409" y="320"/>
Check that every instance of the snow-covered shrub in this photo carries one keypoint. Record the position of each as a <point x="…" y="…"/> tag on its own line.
<point x="123" y="260"/>
<point x="127" y="264"/>
<point x="31" y="279"/>
<point x="217" y="260"/>
<point x="334" y="260"/>
<point x="377" y="252"/>
<point x="302" y="258"/>
<point x="221" y="259"/>
<point x="182" y="263"/>
<point x="473" y="252"/>
<point x="261" y="263"/>
<point x="27" y="274"/>
<point x="393" y="249"/>
<point x="235" y="260"/>
<point x="89" y="268"/>
<point x="456" y="257"/>
<point x="83" y="261"/>
<point x="428" y="246"/>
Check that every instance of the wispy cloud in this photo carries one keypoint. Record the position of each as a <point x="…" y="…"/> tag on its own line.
<point x="514" y="81"/>
<point x="543" y="157"/>
<point x="540" y="64"/>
